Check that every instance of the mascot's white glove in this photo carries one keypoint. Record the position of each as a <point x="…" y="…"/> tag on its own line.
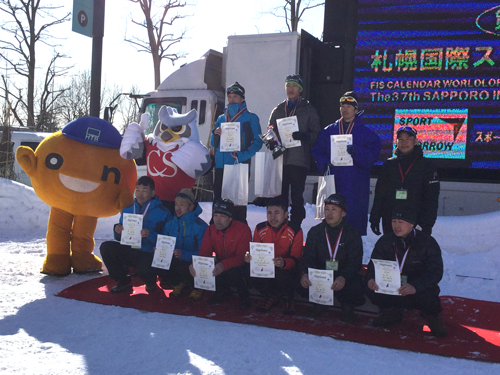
<point x="132" y="146"/>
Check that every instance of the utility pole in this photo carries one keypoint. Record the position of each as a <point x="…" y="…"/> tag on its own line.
<point x="96" y="72"/>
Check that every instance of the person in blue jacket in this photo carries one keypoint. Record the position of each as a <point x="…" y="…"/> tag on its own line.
<point x="236" y="111"/>
<point x="353" y="182"/>
<point x="119" y="258"/>
<point x="188" y="229"/>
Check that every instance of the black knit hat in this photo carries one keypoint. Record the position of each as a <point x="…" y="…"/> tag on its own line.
<point x="337" y="200"/>
<point x="224" y="206"/>
<point x="405" y="212"/>
<point x="237" y="89"/>
<point x="350" y="98"/>
<point x="146" y="181"/>
<point x="294" y="78"/>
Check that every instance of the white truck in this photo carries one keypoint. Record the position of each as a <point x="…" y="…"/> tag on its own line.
<point x="259" y="63"/>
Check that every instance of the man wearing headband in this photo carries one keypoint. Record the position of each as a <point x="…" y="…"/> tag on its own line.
<point x="229" y="240"/>
<point x="188" y="229"/>
<point x="335" y="245"/>
<point x="351" y="181"/>
<point x="407" y="177"/>
<point x="296" y="160"/>
<point x="119" y="258"/>
<point x="418" y="256"/>
<point x="236" y="111"/>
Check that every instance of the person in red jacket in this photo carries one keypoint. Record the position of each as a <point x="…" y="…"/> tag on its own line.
<point x="229" y="239"/>
<point x="287" y="238"/>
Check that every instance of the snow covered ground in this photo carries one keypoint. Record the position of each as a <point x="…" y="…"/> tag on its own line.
<point x="43" y="334"/>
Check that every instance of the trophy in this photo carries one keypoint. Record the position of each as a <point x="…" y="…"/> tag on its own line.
<point x="272" y="142"/>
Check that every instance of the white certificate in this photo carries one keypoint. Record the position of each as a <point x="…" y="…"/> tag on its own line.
<point x="338" y="149"/>
<point x="321" y="289"/>
<point x="387" y="276"/>
<point x="230" y="138"/>
<point x="204" y="266"/>
<point x="164" y="252"/>
<point x="286" y="127"/>
<point x="261" y="264"/>
<point x="132" y="226"/>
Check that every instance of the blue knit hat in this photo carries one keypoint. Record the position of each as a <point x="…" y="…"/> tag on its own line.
<point x="93" y="131"/>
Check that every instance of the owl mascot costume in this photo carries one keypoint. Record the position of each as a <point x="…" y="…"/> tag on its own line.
<point x="174" y="155"/>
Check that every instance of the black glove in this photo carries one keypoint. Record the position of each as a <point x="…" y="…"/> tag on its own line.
<point x="273" y="145"/>
<point x="351" y="150"/>
<point x="375" y="228"/>
<point x="301" y="136"/>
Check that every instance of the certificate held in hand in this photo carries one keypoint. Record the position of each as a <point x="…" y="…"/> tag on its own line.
<point x="321" y="289"/>
<point x="338" y="150"/>
<point x="387" y="276"/>
<point x="230" y="138"/>
<point x="204" y="267"/>
<point x="261" y="264"/>
<point x="164" y="252"/>
<point x="286" y="127"/>
<point x="132" y="226"/>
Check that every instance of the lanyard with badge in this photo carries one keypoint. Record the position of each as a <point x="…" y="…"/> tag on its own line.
<point x="332" y="264"/>
<point x="403" y="193"/>
<point x="404" y="278"/>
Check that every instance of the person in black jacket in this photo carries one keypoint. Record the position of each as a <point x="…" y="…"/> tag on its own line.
<point x="408" y="177"/>
<point x="335" y="240"/>
<point x="419" y="258"/>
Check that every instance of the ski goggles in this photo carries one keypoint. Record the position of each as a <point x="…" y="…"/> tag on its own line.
<point x="408" y="129"/>
<point x="349" y="100"/>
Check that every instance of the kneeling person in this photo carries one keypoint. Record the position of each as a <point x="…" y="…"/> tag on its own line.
<point x="335" y="240"/>
<point x="419" y="257"/>
<point x="287" y="238"/>
<point x="119" y="258"/>
<point x="188" y="229"/>
<point x="229" y="239"/>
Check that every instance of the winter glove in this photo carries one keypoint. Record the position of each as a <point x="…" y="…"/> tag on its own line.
<point x="375" y="225"/>
<point x="301" y="136"/>
<point x="351" y="150"/>
<point x="273" y="145"/>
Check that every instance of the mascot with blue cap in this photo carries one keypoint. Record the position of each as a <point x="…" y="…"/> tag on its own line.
<point x="80" y="174"/>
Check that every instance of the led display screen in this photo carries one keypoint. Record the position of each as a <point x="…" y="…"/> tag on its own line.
<point x="433" y="65"/>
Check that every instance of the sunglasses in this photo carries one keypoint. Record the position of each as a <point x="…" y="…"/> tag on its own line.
<point x="348" y="99"/>
<point x="220" y="205"/>
<point x="407" y="129"/>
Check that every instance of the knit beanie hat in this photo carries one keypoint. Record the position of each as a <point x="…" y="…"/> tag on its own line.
<point x="294" y="78"/>
<point x="237" y="89"/>
<point x="223" y="206"/>
<point x="338" y="200"/>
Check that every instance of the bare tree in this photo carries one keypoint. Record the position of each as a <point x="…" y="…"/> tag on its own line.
<point x="157" y="21"/>
<point x="74" y="99"/>
<point x="293" y="10"/>
<point x="25" y="33"/>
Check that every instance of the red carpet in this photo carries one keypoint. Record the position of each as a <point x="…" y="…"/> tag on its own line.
<point x="473" y="326"/>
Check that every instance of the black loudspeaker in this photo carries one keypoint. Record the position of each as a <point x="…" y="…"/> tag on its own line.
<point x="330" y="64"/>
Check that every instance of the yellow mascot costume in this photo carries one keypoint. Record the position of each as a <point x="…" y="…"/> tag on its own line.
<point x="80" y="174"/>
